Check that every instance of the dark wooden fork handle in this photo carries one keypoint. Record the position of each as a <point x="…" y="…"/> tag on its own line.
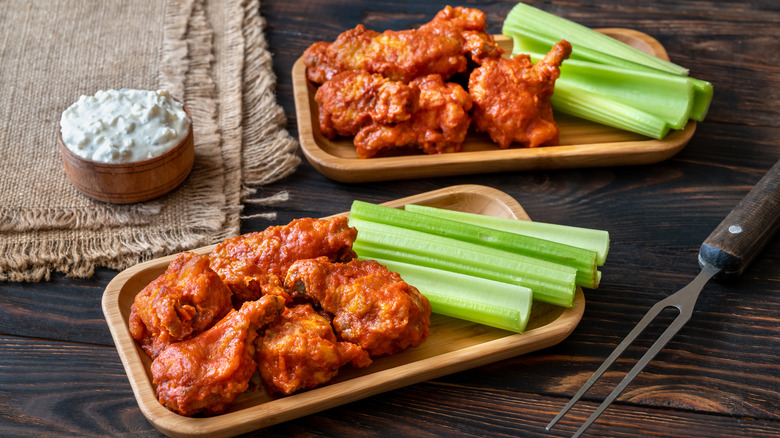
<point x="747" y="229"/>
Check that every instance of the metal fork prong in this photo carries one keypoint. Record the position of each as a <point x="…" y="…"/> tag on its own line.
<point x="649" y="316"/>
<point x="684" y="300"/>
<point x="670" y="331"/>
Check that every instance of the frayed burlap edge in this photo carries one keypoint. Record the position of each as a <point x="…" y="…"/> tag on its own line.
<point x="186" y="71"/>
<point x="267" y="155"/>
<point x="33" y="218"/>
<point x="124" y="248"/>
<point x="200" y="95"/>
<point x="270" y="153"/>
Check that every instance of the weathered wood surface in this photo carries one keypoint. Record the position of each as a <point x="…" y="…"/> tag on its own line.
<point x="720" y="376"/>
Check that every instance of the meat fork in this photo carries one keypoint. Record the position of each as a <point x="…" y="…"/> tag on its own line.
<point x="725" y="253"/>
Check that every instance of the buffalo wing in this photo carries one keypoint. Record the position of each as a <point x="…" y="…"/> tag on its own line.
<point x="512" y="98"/>
<point x="300" y="351"/>
<point x="443" y="46"/>
<point x="185" y="300"/>
<point x="206" y="373"/>
<point x="371" y="306"/>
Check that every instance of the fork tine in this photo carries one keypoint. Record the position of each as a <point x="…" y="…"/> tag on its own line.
<point x="649" y="316"/>
<point x="670" y="331"/>
<point x="684" y="300"/>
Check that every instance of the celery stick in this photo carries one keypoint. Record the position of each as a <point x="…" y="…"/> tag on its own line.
<point x="702" y="98"/>
<point x="671" y="97"/>
<point x="594" y="240"/>
<point x="544" y="278"/>
<point x="474" y="299"/>
<point x="543" y="290"/>
<point x="540" y="22"/>
<point x="591" y="106"/>
<point x="581" y="259"/>
<point x="535" y="31"/>
<point x="525" y="41"/>
<point x="661" y="94"/>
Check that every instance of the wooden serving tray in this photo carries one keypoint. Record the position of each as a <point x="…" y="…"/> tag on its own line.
<point x="582" y="143"/>
<point x="453" y="345"/>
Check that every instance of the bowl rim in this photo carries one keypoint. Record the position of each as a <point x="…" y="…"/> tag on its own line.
<point x="84" y="162"/>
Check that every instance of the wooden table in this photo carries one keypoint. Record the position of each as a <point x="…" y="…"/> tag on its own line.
<point x="720" y="376"/>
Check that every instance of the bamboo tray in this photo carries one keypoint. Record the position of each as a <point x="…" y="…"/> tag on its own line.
<point x="453" y="345"/>
<point x="582" y="143"/>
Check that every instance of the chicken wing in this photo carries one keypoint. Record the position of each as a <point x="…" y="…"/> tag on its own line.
<point x="185" y="300"/>
<point x="512" y="98"/>
<point x="353" y="99"/>
<point x="300" y="351"/>
<point x="207" y="372"/>
<point x="256" y="263"/>
<point x="371" y="306"/>
<point x="439" y="123"/>
<point x="442" y="46"/>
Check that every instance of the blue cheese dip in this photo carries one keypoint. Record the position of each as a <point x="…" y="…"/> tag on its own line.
<point x="123" y="126"/>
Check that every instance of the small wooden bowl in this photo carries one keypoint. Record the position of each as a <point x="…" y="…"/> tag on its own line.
<point x="125" y="183"/>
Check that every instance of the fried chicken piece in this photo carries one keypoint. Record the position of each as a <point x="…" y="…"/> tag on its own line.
<point x="371" y="306"/>
<point x="354" y="99"/>
<point x="478" y="44"/>
<point x="438" y="124"/>
<point x="512" y="98"/>
<point x="255" y="264"/>
<point x="438" y="47"/>
<point x="300" y="351"/>
<point x="185" y="300"/>
<point x="207" y="372"/>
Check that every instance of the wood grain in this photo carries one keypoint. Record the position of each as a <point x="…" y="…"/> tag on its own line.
<point x="747" y="228"/>
<point x="719" y="377"/>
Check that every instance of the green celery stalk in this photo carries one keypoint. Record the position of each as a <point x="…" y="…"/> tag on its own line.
<point x="583" y="260"/>
<point x="702" y="98"/>
<point x="466" y="297"/>
<point x="535" y="31"/>
<point x="543" y="23"/>
<point x="546" y="279"/>
<point x="594" y="240"/>
<point x="592" y="71"/>
<point x="666" y="96"/>
<point x="543" y="290"/>
<point x="592" y="106"/>
<point x="526" y="41"/>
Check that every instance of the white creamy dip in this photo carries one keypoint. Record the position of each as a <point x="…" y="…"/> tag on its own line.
<point x="122" y="126"/>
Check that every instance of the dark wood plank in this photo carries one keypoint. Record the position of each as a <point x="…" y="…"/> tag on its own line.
<point x="65" y="389"/>
<point x="720" y="376"/>
<point x="62" y="309"/>
<point x="90" y="397"/>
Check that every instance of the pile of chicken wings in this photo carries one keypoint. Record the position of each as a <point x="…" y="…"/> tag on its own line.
<point x="390" y="90"/>
<point x="291" y="302"/>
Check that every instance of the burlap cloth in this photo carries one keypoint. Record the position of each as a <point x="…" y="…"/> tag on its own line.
<point x="211" y="54"/>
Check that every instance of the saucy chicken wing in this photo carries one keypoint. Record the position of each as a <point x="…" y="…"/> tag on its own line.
<point x="512" y="98"/>
<point x="207" y="372"/>
<point x="442" y="46"/>
<point x="371" y="306"/>
<point x="256" y="263"/>
<point x="185" y="300"/>
<point x="439" y="123"/>
<point x="300" y="351"/>
<point x="356" y="98"/>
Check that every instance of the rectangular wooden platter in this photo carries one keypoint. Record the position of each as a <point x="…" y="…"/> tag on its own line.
<point x="453" y="345"/>
<point x="582" y="143"/>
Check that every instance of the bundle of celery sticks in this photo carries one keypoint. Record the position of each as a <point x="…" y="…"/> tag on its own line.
<point x="608" y="81"/>
<point x="480" y="268"/>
